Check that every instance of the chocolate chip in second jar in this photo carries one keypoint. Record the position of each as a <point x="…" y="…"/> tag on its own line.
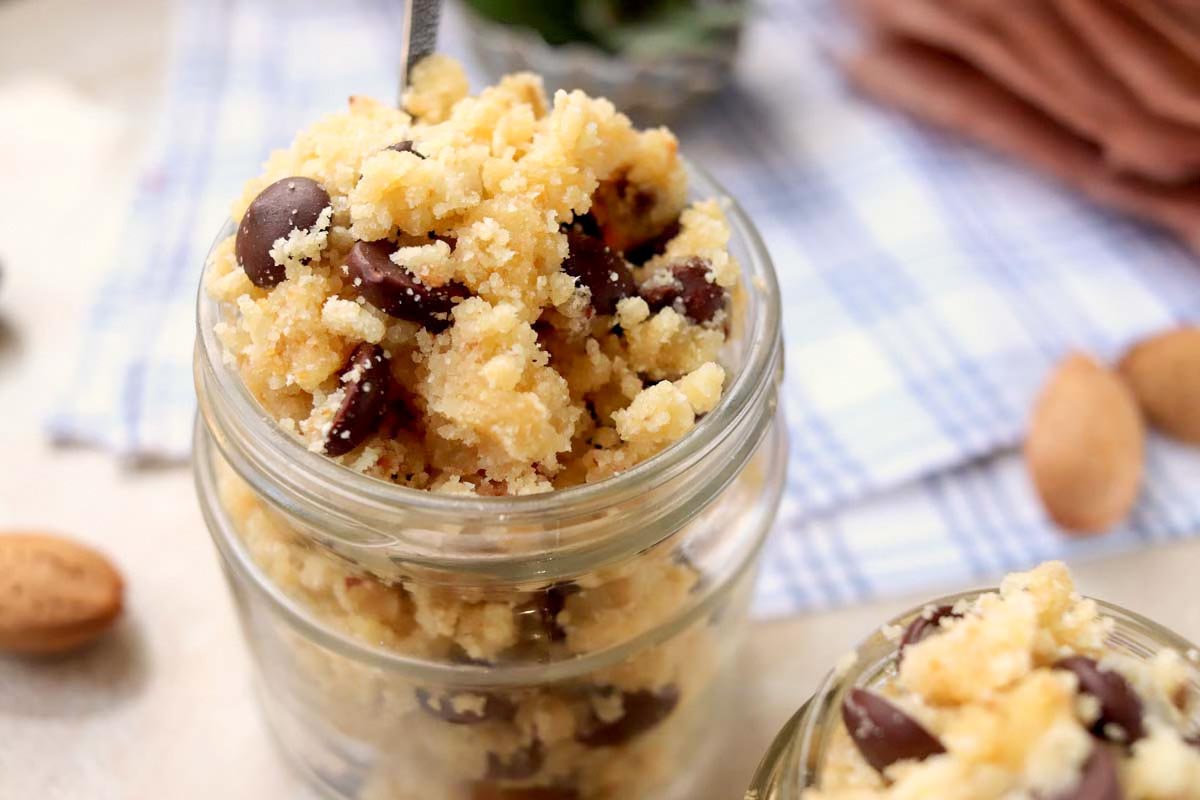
<point x="1120" y="717"/>
<point x="520" y="765"/>
<point x="365" y="381"/>
<point x="883" y="733"/>
<point x="1097" y="779"/>
<point x="289" y="204"/>
<point x="689" y="290"/>
<point x="642" y="710"/>
<point x="925" y="625"/>
<point x="466" y="708"/>
<point x="602" y="271"/>
<point x="397" y="292"/>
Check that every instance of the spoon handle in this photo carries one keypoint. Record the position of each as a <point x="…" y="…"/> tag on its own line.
<point x="419" y="35"/>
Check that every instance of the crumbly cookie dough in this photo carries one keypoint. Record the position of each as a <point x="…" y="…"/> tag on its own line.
<point x="485" y="295"/>
<point x="544" y="307"/>
<point x="619" y="731"/>
<point x="1018" y="695"/>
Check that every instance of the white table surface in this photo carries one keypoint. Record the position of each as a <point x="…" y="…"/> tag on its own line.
<point x="164" y="707"/>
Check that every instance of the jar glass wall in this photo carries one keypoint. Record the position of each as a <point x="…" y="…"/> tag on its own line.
<point x="574" y="644"/>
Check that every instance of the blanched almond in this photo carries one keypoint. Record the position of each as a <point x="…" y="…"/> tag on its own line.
<point x="1085" y="446"/>
<point x="55" y="594"/>
<point x="1164" y="374"/>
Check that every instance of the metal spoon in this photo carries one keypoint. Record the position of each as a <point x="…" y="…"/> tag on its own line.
<point x="419" y="36"/>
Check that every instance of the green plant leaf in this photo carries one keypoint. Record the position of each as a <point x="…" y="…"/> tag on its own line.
<point x="557" y="22"/>
<point x="660" y="28"/>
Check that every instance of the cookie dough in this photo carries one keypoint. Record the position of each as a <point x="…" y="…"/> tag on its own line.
<point x="497" y="294"/>
<point x="1019" y="694"/>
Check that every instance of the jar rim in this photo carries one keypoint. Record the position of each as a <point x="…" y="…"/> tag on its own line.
<point x="788" y="758"/>
<point x="311" y="484"/>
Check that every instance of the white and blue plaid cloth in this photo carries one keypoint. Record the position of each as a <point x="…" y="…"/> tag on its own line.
<point x="928" y="287"/>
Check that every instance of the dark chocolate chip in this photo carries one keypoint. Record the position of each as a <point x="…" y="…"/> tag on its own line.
<point x="583" y="223"/>
<point x="286" y="205"/>
<point x="656" y="245"/>
<point x="366" y="381"/>
<point x="1120" y="707"/>
<point x="924" y="626"/>
<point x="492" y="791"/>
<point x="689" y="292"/>
<point x="397" y="292"/>
<point x="520" y="765"/>
<point x="445" y="707"/>
<point x="1097" y="779"/>
<point x="642" y="711"/>
<point x="399" y="412"/>
<point x="548" y="604"/>
<point x="883" y="733"/>
<point x="600" y="269"/>
<point x="405" y="146"/>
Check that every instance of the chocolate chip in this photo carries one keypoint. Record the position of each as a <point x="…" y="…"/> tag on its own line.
<point x="689" y="291"/>
<point x="491" y="791"/>
<point x="883" y="733"/>
<point x="519" y="765"/>
<point x="399" y="412"/>
<point x="286" y="205"/>
<point x="1120" y="717"/>
<point x="654" y="246"/>
<point x="397" y="292"/>
<point x="600" y="269"/>
<point x="465" y="708"/>
<point x="547" y="605"/>
<point x="1097" y="779"/>
<point x="583" y="223"/>
<point x="365" y="381"/>
<point x="924" y="626"/>
<point x="405" y="146"/>
<point x="642" y="711"/>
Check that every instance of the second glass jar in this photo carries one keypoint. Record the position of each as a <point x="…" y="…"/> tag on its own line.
<point x="797" y="757"/>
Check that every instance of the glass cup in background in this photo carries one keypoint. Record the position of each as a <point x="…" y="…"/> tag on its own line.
<point x="795" y="758"/>
<point x="329" y="568"/>
<point x="653" y="88"/>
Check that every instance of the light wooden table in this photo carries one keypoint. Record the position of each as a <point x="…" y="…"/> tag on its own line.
<point x="164" y="708"/>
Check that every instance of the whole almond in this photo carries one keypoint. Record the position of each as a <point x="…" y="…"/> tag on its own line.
<point x="1085" y="446"/>
<point x="1164" y="374"/>
<point x="55" y="594"/>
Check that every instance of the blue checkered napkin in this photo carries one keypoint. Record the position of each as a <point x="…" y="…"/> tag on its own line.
<point x="928" y="287"/>
<point x="246" y="75"/>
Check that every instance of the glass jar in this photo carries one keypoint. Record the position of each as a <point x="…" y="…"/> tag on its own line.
<point x="573" y="645"/>
<point x="650" y="90"/>
<point x="794" y="760"/>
